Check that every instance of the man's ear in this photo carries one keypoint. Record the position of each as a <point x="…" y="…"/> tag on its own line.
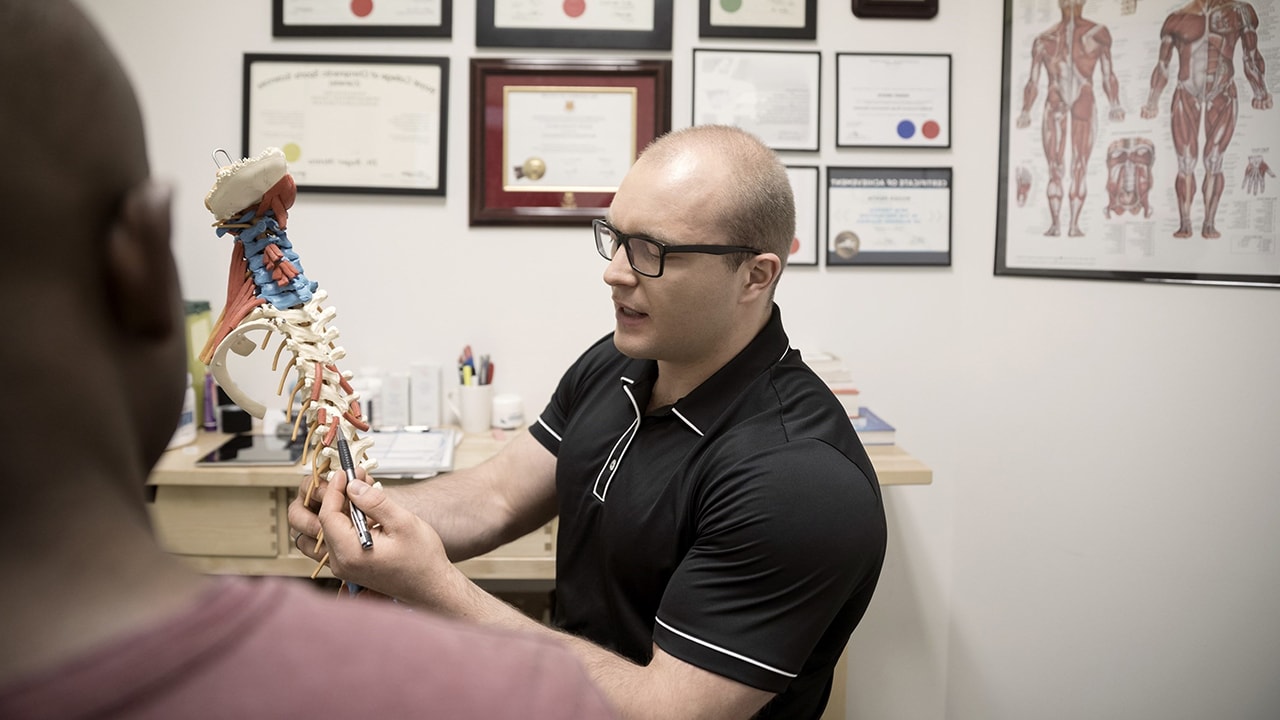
<point x="762" y="272"/>
<point x="140" y="274"/>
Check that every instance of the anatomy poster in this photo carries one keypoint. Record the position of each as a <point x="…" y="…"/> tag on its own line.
<point x="1140" y="140"/>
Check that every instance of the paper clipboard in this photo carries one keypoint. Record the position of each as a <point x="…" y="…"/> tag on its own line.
<point x="413" y="453"/>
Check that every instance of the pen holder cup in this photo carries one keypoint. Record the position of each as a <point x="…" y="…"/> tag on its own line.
<point x="474" y="408"/>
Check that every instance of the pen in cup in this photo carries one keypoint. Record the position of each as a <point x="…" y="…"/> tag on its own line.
<point x="357" y="516"/>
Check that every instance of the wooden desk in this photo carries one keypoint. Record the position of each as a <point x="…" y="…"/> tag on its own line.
<point x="234" y="520"/>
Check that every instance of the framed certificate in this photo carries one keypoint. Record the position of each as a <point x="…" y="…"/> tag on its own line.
<point x="552" y="139"/>
<point x="758" y="19"/>
<point x="771" y="93"/>
<point x="888" y="216"/>
<point x="1163" y="175"/>
<point x="905" y="9"/>
<point x="893" y="100"/>
<point x="804" y="186"/>
<point x="611" y="25"/>
<point x="353" y="124"/>
<point x="362" y="18"/>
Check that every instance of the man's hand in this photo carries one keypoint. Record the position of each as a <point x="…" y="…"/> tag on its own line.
<point x="406" y="555"/>
<point x="303" y="519"/>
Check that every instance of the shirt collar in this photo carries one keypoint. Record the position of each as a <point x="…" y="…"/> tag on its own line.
<point x="700" y="408"/>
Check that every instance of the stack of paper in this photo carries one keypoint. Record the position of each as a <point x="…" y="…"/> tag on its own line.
<point x="407" y="453"/>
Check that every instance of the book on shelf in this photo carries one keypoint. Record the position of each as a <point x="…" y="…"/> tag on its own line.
<point x="871" y="428"/>
<point x="848" y="395"/>
<point x="827" y="366"/>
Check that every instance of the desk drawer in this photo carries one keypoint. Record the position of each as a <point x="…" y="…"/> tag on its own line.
<point x="225" y="521"/>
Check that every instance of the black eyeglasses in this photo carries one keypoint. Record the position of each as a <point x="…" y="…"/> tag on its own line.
<point x="648" y="256"/>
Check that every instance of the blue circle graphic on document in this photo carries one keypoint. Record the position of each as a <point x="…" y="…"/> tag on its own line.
<point x="906" y="129"/>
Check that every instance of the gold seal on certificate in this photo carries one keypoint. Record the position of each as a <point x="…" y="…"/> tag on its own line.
<point x="847" y="244"/>
<point x="533" y="168"/>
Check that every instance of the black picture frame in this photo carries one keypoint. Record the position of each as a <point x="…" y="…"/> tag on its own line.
<point x="491" y="202"/>
<point x="912" y="119"/>
<point x="1129" y="224"/>
<point x="778" y="77"/>
<point x="563" y="35"/>
<point x="356" y="26"/>
<point x="884" y="216"/>
<point x="807" y="31"/>
<point x="899" y="9"/>
<point x="806" y="184"/>
<point x="323" y="154"/>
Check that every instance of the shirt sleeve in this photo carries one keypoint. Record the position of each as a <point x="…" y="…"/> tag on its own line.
<point x="785" y="540"/>
<point x="549" y="428"/>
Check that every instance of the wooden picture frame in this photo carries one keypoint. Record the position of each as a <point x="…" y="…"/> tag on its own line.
<point x="572" y="24"/>
<point x="308" y="106"/>
<point x="550" y="138"/>
<point x="386" y="18"/>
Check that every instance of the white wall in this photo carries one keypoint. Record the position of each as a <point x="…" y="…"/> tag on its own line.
<point x="1101" y="536"/>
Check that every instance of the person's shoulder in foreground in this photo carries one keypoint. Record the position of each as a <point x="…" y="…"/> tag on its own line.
<point x="276" y="648"/>
<point x="106" y="623"/>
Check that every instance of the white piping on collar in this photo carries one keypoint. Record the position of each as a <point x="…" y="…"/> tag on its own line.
<point x="687" y="421"/>
<point x="612" y="462"/>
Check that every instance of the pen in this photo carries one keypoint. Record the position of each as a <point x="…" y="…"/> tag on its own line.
<point x="357" y="517"/>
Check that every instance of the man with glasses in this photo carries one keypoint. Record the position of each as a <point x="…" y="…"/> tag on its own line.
<point x="721" y="528"/>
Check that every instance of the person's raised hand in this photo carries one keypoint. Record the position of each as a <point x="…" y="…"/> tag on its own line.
<point x="304" y="521"/>
<point x="407" y="555"/>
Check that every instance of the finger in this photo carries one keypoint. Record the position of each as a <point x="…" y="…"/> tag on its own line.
<point x="334" y="521"/>
<point x="377" y="506"/>
<point x="302" y="518"/>
<point x="312" y="491"/>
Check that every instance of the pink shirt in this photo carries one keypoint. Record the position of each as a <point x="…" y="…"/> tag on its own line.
<point x="272" y="648"/>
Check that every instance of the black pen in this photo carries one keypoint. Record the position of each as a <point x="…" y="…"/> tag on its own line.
<point x="357" y="516"/>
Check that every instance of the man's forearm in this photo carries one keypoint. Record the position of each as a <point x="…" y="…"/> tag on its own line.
<point x="466" y="522"/>
<point x="666" y="689"/>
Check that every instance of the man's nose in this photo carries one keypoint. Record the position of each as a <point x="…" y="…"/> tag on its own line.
<point x="618" y="271"/>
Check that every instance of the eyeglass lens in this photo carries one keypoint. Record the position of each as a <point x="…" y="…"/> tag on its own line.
<point x="644" y="255"/>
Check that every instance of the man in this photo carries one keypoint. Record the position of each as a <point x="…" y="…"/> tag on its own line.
<point x="100" y="621"/>
<point x="1068" y="53"/>
<point x="721" y="528"/>
<point x="1203" y="35"/>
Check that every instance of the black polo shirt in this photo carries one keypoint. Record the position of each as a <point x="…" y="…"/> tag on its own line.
<point x="741" y="529"/>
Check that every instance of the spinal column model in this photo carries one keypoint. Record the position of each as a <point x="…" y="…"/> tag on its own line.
<point x="267" y="291"/>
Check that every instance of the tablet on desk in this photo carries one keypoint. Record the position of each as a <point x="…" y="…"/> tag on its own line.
<point x="254" y="449"/>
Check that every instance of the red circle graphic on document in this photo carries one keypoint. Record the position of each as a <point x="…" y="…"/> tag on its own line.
<point x="930" y="129"/>
<point x="575" y="8"/>
<point x="361" y="8"/>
